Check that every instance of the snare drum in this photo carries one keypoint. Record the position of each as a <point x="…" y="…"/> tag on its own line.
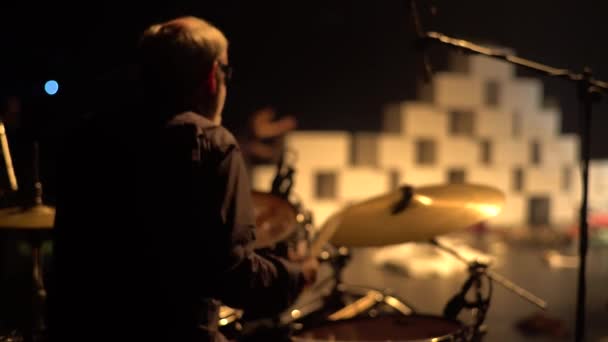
<point x="393" y="328"/>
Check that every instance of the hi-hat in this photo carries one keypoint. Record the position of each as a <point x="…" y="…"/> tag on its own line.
<point x="275" y="219"/>
<point x="35" y="217"/>
<point x="414" y="214"/>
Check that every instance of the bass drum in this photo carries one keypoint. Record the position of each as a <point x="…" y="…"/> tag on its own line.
<point x="393" y="328"/>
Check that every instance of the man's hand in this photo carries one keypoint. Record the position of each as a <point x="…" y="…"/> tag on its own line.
<point x="309" y="264"/>
<point x="299" y="252"/>
<point x="266" y="134"/>
<point x="264" y="126"/>
<point x="310" y="268"/>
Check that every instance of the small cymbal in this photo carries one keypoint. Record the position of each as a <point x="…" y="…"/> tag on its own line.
<point x="431" y="211"/>
<point x="275" y="219"/>
<point x="27" y="218"/>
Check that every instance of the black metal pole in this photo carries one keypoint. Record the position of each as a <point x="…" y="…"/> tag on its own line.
<point x="587" y="94"/>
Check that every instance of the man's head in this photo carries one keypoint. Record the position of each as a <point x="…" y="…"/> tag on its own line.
<point x="184" y="66"/>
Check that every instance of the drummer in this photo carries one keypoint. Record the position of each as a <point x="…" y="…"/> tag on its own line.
<point x="154" y="222"/>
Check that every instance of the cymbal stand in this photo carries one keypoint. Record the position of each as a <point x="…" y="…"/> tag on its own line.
<point x="35" y="240"/>
<point x="477" y="272"/>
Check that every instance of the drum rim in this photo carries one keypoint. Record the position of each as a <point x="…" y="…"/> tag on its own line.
<point x="448" y="337"/>
<point x="294" y="206"/>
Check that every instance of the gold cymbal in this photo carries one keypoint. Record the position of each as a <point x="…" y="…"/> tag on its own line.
<point x="431" y="211"/>
<point x="27" y="218"/>
<point x="275" y="219"/>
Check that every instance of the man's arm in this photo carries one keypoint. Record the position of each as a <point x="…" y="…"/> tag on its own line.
<point x="264" y="285"/>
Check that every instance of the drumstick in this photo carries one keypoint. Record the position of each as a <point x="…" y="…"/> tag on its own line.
<point x="324" y="234"/>
<point x="6" y="152"/>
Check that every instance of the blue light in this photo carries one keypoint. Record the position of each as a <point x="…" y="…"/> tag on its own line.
<point x="51" y="87"/>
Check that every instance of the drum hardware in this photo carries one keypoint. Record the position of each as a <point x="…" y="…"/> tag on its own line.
<point x="369" y="297"/>
<point x="343" y="301"/>
<point x="500" y="279"/>
<point x="364" y="320"/>
<point x="283" y="180"/>
<point x="363" y="304"/>
<point x="384" y="296"/>
<point x="480" y="305"/>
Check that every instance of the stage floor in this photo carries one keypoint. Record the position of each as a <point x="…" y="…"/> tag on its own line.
<point x="522" y="262"/>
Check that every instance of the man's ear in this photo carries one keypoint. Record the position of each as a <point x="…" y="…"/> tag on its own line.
<point x="212" y="83"/>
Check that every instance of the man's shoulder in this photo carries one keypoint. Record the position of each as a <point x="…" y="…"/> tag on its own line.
<point x="217" y="136"/>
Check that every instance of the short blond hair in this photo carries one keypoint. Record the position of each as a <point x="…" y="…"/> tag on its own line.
<point x="176" y="56"/>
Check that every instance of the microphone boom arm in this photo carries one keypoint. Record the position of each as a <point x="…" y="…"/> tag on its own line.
<point x="497" y="54"/>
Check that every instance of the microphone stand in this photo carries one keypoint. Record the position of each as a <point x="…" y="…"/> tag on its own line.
<point x="588" y="91"/>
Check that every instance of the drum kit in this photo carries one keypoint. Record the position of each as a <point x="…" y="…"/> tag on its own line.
<point x="345" y="312"/>
<point x="354" y="313"/>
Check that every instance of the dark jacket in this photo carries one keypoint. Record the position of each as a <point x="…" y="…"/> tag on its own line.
<point x="154" y="228"/>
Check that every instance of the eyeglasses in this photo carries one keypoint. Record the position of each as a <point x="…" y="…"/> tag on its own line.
<point x="227" y="70"/>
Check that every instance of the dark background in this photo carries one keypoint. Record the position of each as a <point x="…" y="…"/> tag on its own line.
<point x="334" y="63"/>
